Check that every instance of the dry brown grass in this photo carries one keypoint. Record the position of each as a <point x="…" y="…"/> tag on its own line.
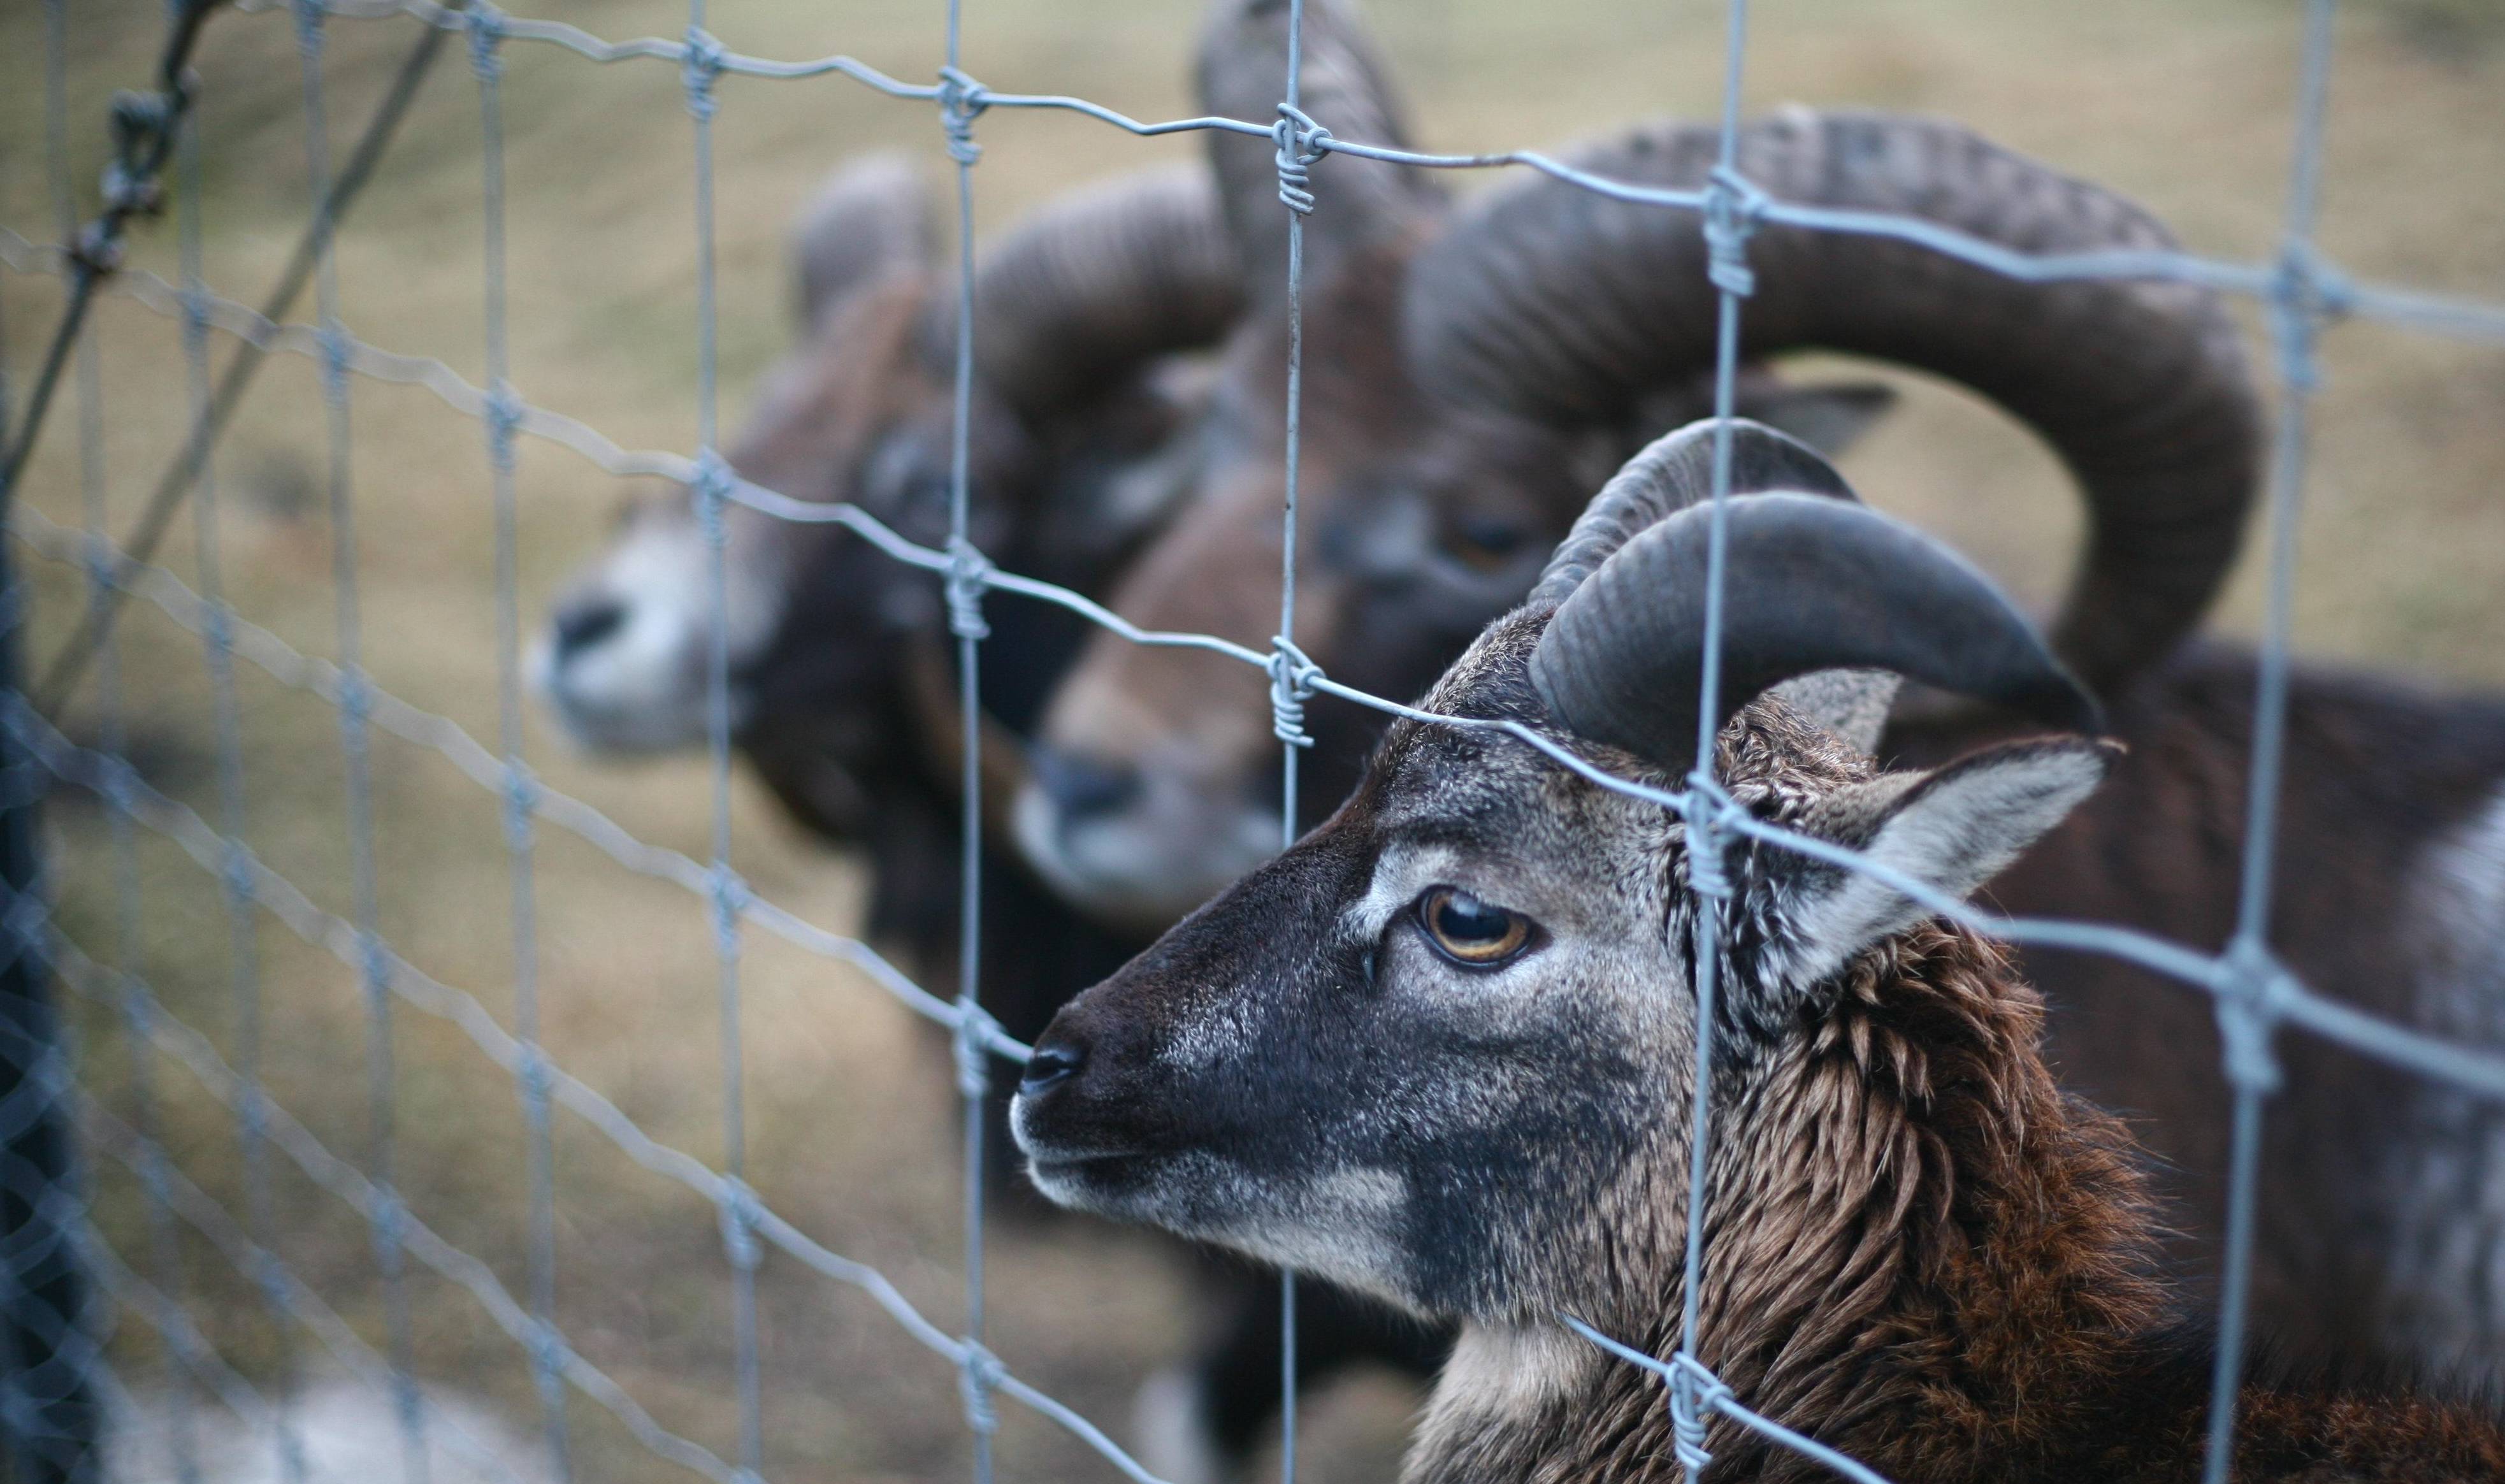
<point x="2184" y="106"/>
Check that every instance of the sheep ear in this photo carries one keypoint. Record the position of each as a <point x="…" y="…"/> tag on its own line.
<point x="1952" y="830"/>
<point x="1830" y="417"/>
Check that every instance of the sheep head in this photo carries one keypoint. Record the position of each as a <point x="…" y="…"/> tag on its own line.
<point x="1077" y="407"/>
<point x="1459" y="405"/>
<point x="1440" y="1049"/>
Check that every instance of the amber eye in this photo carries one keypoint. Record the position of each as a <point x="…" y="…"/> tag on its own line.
<point x="1468" y="931"/>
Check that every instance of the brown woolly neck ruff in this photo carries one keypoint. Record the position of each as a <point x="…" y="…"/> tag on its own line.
<point x="1923" y="1253"/>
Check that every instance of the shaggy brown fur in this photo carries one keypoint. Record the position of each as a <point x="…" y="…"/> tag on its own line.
<point x="1930" y="1257"/>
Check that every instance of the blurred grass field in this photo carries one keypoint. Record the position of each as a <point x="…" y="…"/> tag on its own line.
<point x="849" y="1103"/>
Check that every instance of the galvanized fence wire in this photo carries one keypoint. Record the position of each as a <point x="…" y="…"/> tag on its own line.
<point x="2253" y="994"/>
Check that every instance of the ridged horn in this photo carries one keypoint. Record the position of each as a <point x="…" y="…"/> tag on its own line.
<point x="1677" y="473"/>
<point x="870" y="216"/>
<point x="1100" y="280"/>
<point x="1813" y="584"/>
<point x="1548" y="301"/>
<point x="1343" y="86"/>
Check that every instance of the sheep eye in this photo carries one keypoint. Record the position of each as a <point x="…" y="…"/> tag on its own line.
<point x="1468" y="931"/>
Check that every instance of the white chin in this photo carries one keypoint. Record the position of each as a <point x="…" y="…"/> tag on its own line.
<point x="634" y="726"/>
<point x="1128" y="872"/>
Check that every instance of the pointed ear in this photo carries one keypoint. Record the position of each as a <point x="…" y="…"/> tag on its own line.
<point x="1952" y="830"/>
<point x="1829" y="418"/>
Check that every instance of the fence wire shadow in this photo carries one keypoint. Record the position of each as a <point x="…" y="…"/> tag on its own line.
<point x="60" y="1375"/>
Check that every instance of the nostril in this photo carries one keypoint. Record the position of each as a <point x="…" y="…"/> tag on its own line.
<point x="1051" y="1065"/>
<point x="1083" y="786"/>
<point x="582" y="624"/>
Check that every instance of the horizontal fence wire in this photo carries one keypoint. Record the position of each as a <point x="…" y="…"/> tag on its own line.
<point x="2337" y="293"/>
<point x="2301" y="288"/>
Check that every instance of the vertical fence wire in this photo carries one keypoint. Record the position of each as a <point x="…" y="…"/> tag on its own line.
<point x="355" y="743"/>
<point x="700" y="73"/>
<point x="2245" y="1014"/>
<point x="269" y="1280"/>
<point x="1725" y="230"/>
<point x="1294" y="159"/>
<point x="547" y="1369"/>
<point x="960" y="103"/>
<point x="1731" y="209"/>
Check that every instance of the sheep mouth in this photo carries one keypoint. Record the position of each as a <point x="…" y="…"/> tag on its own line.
<point x="1120" y="1184"/>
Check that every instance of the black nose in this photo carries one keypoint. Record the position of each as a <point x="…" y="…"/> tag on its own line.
<point x="585" y="623"/>
<point x="1052" y="1064"/>
<point x="1083" y="786"/>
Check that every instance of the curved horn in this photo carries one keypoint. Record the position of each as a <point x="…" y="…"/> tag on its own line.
<point x="1677" y="471"/>
<point x="1553" y="301"/>
<point x="1100" y="280"/>
<point x="1344" y="85"/>
<point x="870" y="216"/>
<point x="1813" y="583"/>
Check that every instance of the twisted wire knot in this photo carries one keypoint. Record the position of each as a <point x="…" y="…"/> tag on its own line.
<point x="522" y="801"/>
<point x="141" y="119"/>
<point x="269" y="1275"/>
<point x="969" y="573"/>
<point x="152" y="1168"/>
<point x="334" y="362"/>
<point x="972" y="1045"/>
<point x="408" y="1402"/>
<point x="2305" y="293"/>
<point x="140" y="124"/>
<point x="375" y="963"/>
<point x="2248" y="1013"/>
<point x="102" y="571"/>
<point x="979" y="1373"/>
<point x="549" y="1353"/>
<point x="254" y="1116"/>
<point x="1694" y="1395"/>
<point x="699" y="69"/>
<point x="1291" y="685"/>
<point x="711" y="487"/>
<point x="537" y="1077"/>
<point x="730" y="898"/>
<point x="504" y="418"/>
<point x="1733" y="209"/>
<point x="737" y="1207"/>
<point x="219" y="628"/>
<point x="485" y="25"/>
<point x="390" y="1219"/>
<point x="120" y="785"/>
<point x="1710" y="813"/>
<point x="308" y="27"/>
<point x="236" y="871"/>
<point x="356" y="698"/>
<point x="1300" y="141"/>
<point x="962" y="101"/>
<point x="96" y="248"/>
<point x="27" y="924"/>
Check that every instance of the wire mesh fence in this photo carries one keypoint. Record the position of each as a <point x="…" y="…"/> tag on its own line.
<point x="59" y="1377"/>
